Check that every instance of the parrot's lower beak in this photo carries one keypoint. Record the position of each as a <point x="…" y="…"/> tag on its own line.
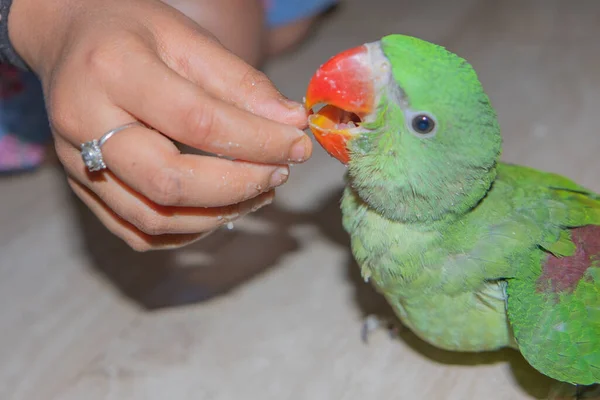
<point x="345" y="86"/>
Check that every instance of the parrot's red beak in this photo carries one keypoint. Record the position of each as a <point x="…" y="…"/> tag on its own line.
<point x="345" y="86"/>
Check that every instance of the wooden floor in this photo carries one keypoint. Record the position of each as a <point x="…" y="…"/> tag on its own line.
<point x="273" y="308"/>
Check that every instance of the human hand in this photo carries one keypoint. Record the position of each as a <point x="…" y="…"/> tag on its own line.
<point x="105" y="63"/>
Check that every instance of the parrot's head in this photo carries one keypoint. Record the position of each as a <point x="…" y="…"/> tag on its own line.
<point x="412" y="123"/>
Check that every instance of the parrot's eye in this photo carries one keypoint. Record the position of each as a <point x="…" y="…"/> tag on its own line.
<point x="423" y="124"/>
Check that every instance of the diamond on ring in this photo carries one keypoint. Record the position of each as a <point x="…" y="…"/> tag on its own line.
<point x="91" y="152"/>
<point x="92" y="156"/>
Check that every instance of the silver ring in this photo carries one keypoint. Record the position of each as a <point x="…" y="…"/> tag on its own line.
<point x="91" y="152"/>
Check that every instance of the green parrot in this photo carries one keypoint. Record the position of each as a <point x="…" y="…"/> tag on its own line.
<point x="473" y="254"/>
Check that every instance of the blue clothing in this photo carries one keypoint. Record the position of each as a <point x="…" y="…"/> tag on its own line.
<point x="283" y="12"/>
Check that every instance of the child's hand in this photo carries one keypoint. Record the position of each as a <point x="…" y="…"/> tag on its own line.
<point x="105" y="63"/>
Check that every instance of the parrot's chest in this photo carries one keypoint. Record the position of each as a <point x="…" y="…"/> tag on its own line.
<point x="409" y="267"/>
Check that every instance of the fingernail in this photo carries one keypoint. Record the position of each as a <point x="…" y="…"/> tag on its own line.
<point x="290" y="104"/>
<point x="300" y="149"/>
<point x="279" y="176"/>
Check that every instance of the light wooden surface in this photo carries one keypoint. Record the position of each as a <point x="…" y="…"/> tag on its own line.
<point x="273" y="308"/>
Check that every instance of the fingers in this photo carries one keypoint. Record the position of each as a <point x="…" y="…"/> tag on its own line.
<point x="136" y="239"/>
<point x="149" y="164"/>
<point x="143" y="217"/>
<point x="139" y="221"/>
<point x="229" y="78"/>
<point x="184" y="112"/>
<point x="152" y="196"/>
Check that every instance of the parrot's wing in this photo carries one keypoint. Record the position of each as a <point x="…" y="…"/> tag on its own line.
<point x="554" y="297"/>
<point x="545" y="179"/>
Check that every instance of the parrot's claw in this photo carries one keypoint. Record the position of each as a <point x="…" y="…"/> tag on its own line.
<point x="373" y="323"/>
<point x="564" y="391"/>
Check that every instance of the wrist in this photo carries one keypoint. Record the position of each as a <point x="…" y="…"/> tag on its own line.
<point x="36" y="29"/>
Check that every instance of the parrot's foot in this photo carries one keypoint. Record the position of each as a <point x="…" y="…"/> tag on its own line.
<point x="373" y="323"/>
<point x="565" y="391"/>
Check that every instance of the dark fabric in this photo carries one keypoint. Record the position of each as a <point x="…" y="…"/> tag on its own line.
<point x="8" y="55"/>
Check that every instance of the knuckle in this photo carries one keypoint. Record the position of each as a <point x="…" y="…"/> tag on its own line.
<point x="106" y="59"/>
<point x="255" y="80"/>
<point x="166" y="188"/>
<point x="200" y="122"/>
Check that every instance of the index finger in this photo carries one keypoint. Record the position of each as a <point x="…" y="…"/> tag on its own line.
<point x="227" y="77"/>
<point x="154" y="93"/>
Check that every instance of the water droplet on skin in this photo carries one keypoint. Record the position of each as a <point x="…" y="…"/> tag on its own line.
<point x="230" y="225"/>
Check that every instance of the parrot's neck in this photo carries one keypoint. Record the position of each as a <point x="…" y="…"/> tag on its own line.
<point x="409" y="200"/>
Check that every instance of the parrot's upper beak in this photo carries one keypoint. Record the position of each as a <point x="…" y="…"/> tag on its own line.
<point x="346" y="86"/>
